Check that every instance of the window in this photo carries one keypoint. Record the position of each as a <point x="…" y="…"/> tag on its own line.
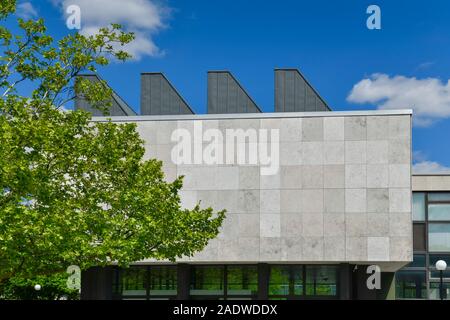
<point x="418" y="206"/>
<point x="439" y="212"/>
<point x="242" y="281"/>
<point x="280" y="281"/>
<point x="439" y="237"/>
<point x="419" y="261"/>
<point x="163" y="281"/>
<point x="207" y="281"/>
<point x="410" y="285"/>
<point x="436" y="257"/>
<point x="321" y="280"/>
<point x="132" y="282"/>
<point x="145" y="282"/>
<point x="294" y="282"/>
<point x="224" y="282"/>
<point x="434" y="291"/>
<point x="439" y="196"/>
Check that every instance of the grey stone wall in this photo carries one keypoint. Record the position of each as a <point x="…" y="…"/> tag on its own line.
<point x="342" y="192"/>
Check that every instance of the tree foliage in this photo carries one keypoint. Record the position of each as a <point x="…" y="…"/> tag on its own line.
<point x="74" y="192"/>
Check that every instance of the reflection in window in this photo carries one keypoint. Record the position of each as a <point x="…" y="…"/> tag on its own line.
<point x="242" y="280"/>
<point x="207" y="281"/>
<point x="436" y="257"/>
<point x="439" y="212"/>
<point x="289" y="281"/>
<point x="279" y="282"/>
<point x="133" y="281"/>
<point x="435" y="292"/>
<point x="418" y="206"/>
<point x="163" y="281"/>
<point x="410" y="284"/>
<point x="321" y="280"/>
<point x="439" y="237"/>
<point x="286" y="281"/>
<point x="418" y="261"/>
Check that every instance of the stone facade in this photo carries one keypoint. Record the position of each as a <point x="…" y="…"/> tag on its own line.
<point x="342" y="192"/>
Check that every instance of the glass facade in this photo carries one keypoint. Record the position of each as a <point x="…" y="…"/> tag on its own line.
<point x="226" y="282"/>
<point x="145" y="282"/>
<point x="302" y="282"/>
<point x="431" y="232"/>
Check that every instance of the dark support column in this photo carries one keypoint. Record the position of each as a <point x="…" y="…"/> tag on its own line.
<point x="96" y="283"/>
<point x="263" y="281"/>
<point x="363" y="293"/>
<point x="345" y="281"/>
<point x="183" y="278"/>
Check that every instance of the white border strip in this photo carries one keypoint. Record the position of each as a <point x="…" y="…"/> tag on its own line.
<point x="266" y="115"/>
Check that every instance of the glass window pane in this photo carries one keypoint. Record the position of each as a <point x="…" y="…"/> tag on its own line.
<point x="435" y="292"/>
<point x="436" y="275"/>
<point x="439" y="237"/>
<point x="242" y="280"/>
<point x="438" y="196"/>
<point x="207" y="280"/>
<point x="279" y="280"/>
<point x="418" y="206"/>
<point x="439" y="212"/>
<point x="436" y="257"/>
<point x="418" y="261"/>
<point x="410" y="285"/>
<point x="321" y="280"/>
<point x="163" y="281"/>
<point x="132" y="281"/>
<point x="297" y="277"/>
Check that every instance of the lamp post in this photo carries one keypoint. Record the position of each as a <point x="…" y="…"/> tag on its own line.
<point x="441" y="265"/>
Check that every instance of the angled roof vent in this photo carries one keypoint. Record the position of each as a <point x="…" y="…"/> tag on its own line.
<point x="118" y="108"/>
<point x="159" y="96"/>
<point x="226" y="95"/>
<point x="293" y="93"/>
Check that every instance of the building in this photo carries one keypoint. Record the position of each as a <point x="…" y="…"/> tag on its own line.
<point x="314" y="197"/>
<point x="431" y="226"/>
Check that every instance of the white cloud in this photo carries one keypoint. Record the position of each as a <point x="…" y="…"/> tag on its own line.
<point x="26" y="11"/>
<point x="143" y="17"/>
<point x="430" y="167"/>
<point x="424" y="166"/>
<point x="429" y="98"/>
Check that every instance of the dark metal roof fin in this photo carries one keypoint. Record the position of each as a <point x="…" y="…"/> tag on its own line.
<point x="293" y="93"/>
<point x="118" y="108"/>
<point x="226" y="95"/>
<point x="159" y="96"/>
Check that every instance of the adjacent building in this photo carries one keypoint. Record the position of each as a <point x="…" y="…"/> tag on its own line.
<point x="431" y="241"/>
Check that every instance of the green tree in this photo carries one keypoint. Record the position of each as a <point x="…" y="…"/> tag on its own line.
<point x="53" y="287"/>
<point x="73" y="191"/>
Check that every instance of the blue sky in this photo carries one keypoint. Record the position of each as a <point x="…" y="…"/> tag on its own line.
<point x="326" y="39"/>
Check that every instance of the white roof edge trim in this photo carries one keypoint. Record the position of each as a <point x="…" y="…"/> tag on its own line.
<point x="266" y="115"/>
